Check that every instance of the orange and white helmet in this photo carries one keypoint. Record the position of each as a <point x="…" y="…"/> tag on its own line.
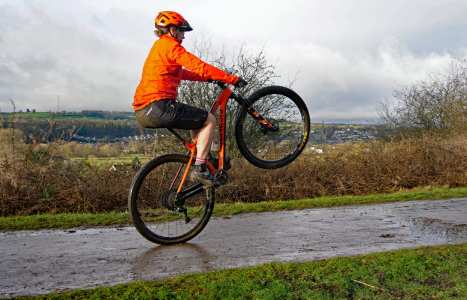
<point x="170" y="18"/>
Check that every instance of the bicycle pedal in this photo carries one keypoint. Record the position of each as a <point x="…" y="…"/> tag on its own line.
<point x="221" y="179"/>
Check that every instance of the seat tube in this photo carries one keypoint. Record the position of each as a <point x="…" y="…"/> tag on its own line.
<point x="192" y="148"/>
<point x="221" y="103"/>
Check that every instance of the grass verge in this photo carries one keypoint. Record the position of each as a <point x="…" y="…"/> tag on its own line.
<point x="423" y="273"/>
<point x="69" y="220"/>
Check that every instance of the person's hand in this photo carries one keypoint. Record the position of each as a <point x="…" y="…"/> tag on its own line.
<point x="241" y="83"/>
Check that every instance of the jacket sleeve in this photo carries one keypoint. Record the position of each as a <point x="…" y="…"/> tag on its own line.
<point x="199" y="67"/>
<point x="188" y="75"/>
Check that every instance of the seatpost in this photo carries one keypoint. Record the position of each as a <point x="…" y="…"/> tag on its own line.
<point x="177" y="135"/>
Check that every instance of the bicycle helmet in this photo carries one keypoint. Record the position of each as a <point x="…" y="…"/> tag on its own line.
<point x="170" y="18"/>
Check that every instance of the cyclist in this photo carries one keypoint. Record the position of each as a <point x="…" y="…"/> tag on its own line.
<point x="166" y="65"/>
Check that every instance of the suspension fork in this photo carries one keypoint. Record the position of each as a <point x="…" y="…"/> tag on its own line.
<point x="262" y="121"/>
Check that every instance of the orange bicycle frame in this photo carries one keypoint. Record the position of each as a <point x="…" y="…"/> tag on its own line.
<point x="221" y="104"/>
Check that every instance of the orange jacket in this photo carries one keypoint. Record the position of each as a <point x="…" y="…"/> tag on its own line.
<point x="166" y="65"/>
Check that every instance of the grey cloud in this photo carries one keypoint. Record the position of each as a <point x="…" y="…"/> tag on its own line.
<point x="448" y="38"/>
<point x="349" y="55"/>
<point x="338" y="83"/>
<point x="85" y="66"/>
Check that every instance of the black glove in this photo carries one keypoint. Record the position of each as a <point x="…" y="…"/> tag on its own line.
<point x="240" y="83"/>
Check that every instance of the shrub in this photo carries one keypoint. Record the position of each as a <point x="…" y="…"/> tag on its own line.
<point x="40" y="180"/>
<point x="436" y="104"/>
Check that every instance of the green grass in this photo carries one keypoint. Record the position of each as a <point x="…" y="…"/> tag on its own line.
<point x="66" y="220"/>
<point x="428" y="193"/>
<point x="423" y="273"/>
<point x="69" y="220"/>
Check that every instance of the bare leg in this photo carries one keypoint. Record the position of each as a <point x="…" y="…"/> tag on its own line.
<point x="204" y="137"/>
<point x="194" y="134"/>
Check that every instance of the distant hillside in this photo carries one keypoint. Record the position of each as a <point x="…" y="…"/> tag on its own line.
<point x="358" y="121"/>
<point x="106" y="126"/>
<point x="102" y="126"/>
<point x="64" y="115"/>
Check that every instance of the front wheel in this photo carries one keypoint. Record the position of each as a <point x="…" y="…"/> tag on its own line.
<point x="274" y="129"/>
<point x="155" y="207"/>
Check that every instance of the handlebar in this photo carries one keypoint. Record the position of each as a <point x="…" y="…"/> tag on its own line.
<point x="239" y="84"/>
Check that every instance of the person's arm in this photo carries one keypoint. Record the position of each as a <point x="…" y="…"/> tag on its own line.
<point x="188" y="75"/>
<point x="204" y="70"/>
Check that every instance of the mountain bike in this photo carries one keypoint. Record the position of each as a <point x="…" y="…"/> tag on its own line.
<point x="272" y="127"/>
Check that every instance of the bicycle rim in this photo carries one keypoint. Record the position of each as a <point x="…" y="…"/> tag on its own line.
<point x="152" y="205"/>
<point x="273" y="148"/>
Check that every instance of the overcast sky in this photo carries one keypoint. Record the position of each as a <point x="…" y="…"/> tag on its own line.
<point x="345" y="56"/>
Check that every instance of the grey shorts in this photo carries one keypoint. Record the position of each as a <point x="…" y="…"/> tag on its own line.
<point x="171" y="114"/>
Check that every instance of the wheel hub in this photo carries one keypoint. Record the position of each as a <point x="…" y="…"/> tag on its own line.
<point x="168" y="200"/>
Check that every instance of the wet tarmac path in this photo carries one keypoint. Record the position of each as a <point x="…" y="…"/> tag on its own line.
<point x="37" y="262"/>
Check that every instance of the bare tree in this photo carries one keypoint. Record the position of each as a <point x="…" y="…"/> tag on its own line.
<point x="438" y="103"/>
<point x="254" y="68"/>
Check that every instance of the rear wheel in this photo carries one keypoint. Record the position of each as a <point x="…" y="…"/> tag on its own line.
<point x="156" y="211"/>
<point x="274" y="129"/>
